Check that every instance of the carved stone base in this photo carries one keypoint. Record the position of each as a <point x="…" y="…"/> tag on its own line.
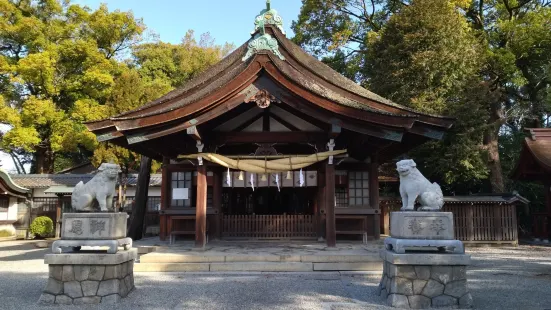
<point x="400" y="246"/>
<point x="88" y="278"/>
<point x="76" y="245"/>
<point x="421" y="281"/>
<point x="94" y="226"/>
<point x="421" y="225"/>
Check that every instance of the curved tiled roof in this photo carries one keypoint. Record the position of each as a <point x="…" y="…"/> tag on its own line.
<point x="535" y="158"/>
<point x="48" y="180"/>
<point x="10" y="186"/>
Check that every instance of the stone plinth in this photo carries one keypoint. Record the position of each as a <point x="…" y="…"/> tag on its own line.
<point x="89" y="278"/>
<point x="402" y="245"/>
<point x="421" y="225"/>
<point x="420" y="281"/>
<point x="94" y="226"/>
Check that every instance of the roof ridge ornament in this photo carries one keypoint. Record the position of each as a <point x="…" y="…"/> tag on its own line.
<point x="263" y="40"/>
<point x="268" y="16"/>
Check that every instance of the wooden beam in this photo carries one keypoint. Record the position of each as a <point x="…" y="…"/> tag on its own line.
<point x="335" y="131"/>
<point x="194" y="133"/>
<point x="201" y="208"/>
<point x="248" y="122"/>
<point x="330" y="227"/>
<point x="268" y="137"/>
<point x="266" y="120"/>
<point x="284" y="122"/>
<point x="308" y="118"/>
<point x="374" y="195"/>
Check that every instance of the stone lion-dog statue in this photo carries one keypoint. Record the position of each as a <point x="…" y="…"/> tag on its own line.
<point x="101" y="188"/>
<point x="413" y="185"/>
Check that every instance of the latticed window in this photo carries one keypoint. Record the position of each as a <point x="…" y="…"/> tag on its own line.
<point x="358" y="188"/>
<point x="4" y="204"/>
<point x="341" y="195"/>
<point x="182" y="180"/>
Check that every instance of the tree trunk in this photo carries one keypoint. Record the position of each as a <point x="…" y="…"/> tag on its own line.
<point x="44" y="160"/>
<point x="491" y="144"/>
<point x="135" y="231"/>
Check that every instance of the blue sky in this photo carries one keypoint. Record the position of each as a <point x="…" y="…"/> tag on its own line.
<point x="227" y="21"/>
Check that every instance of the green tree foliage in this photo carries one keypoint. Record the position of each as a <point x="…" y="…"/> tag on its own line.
<point x="57" y="59"/>
<point x="62" y="65"/>
<point x="427" y="57"/>
<point x="155" y="69"/>
<point x="418" y="60"/>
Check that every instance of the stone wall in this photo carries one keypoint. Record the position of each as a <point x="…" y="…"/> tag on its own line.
<point x="425" y="286"/>
<point x="88" y="284"/>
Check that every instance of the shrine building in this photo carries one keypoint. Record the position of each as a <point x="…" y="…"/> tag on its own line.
<point x="270" y="143"/>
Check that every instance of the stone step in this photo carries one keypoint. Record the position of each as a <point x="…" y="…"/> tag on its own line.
<point x="159" y="257"/>
<point x="257" y="266"/>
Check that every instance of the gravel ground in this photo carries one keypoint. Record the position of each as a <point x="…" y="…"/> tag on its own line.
<point x="500" y="278"/>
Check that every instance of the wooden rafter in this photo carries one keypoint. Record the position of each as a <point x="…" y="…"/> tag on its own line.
<point x="284" y="122"/>
<point x="248" y="122"/>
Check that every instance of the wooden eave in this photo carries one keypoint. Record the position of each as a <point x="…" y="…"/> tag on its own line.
<point x="229" y="83"/>
<point x="534" y="163"/>
<point x="8" y="187"/>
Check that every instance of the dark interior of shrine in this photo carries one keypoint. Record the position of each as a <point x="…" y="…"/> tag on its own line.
<point x="268" y="201"/>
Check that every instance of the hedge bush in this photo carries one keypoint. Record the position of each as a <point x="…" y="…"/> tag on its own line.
<point x="42" y="227"/>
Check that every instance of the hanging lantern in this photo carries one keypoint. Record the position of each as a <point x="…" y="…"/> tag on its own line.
<point x="288" y="177"/>
<point x="240" y="175"/>
<point x="264" y="178"/>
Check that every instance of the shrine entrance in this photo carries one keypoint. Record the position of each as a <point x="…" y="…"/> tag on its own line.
<point x="269" y="212"/>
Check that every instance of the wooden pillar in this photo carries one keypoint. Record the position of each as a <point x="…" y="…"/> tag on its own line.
<point x="201" y="208"/>
<point x="58" y="216"/>
<point x="547" y="218"/>
<point x="165" y="197"/>
<point x="330" y="226"/>
<point x="135" y="231"/>
<point x="374" y="196"/>
<point x="497" y="223"/>
<point x="217" y="203"/>
<point x="470" y="222"/>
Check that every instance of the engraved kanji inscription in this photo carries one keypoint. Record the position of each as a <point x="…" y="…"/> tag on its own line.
<point x="97" y="226"/>
<point x="415" y="226"/>
<point x="437" y="226"/>
<point x="76" y="227"/>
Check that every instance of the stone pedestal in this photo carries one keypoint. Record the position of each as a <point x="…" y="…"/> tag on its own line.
<point x="89" y="278"/>
<point x="93" y="229"/>
<point x="420" y="281"/>
<point x="423" y="265"/>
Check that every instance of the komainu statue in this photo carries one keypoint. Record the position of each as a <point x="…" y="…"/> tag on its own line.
<point x="413" y="185"/>
<point x="101" y="188"/>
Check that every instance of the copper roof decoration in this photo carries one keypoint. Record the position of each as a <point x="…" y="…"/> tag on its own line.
<point x="262" y="40"/>
<point x="268" y="16"/>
